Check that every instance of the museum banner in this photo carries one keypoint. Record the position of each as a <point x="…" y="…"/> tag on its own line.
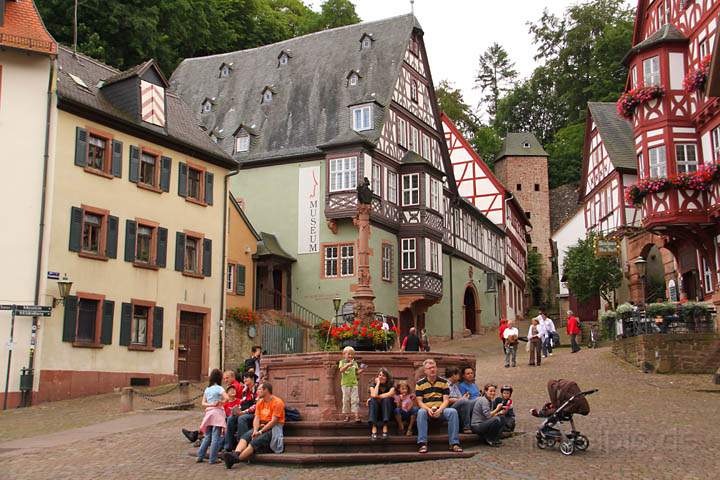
<point x="309" y="210"/>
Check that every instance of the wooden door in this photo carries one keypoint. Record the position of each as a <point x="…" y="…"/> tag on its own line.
<point x="190" y="346"/>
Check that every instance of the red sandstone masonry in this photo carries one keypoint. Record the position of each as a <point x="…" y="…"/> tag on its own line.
<point x="672" y="353"/>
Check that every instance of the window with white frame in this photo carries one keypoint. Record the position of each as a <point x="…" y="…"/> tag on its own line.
<point x="387" y="262"/>
<point x="651" y="71"/>
<point x="409" y="252"/>
<point x="435" y="194"/>
<point x="402" y="132"/>
<point x="392" y="186"/>
<point x="242" y="142"/>
<point x="414" y="91"/>
<point x="411" y="189"/>
<point x="347" y="261"/>
<point x="377" y="179"/>
<point x="414" y="139"/>
<point x="634" y="77"/>
<point x="331" y="261"/>
<point x="703" y="48"/>
<point x="641" y="165"/>
<point x="657" y="162"/>
<point x="434" y="258"/>
<point x="707" y="276"/>
<point x="715" y="138"/>
<point x="426" y="147"/>
<point x="686" y="157"/>
<point x="362" y="118"/>
<point x="343" y="174"/>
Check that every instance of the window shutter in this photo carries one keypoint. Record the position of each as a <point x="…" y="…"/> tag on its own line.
<point x="125" y="323"/>
<point x="112" y="236"/>
<point x="80" y="147"/>
<point x="70" y="318"/>
<point x="207" y="257"/>
<point x="209" y="188"/>
<point x="427" y="255"/>
<point x="107" y="322"/>
<point x="165" y="174"/>
<point x="130" y="232"/>
<point x="117" y="150"/>
<point x="134" y="174"/>
<point x="161" y="260"/>
<point x="157" y="339"/>
<point x="240" y="279"/>
<point x="179" y="251"/>
<point x="76" y="218"/>
<point x="182" y="179"/>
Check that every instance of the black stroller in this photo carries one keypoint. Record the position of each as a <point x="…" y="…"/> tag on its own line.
<point x="571" y="400"/>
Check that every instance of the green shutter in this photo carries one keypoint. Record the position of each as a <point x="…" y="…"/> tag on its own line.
<point x="112" y="236"/>
<point x="161" y="260"/>
<point x="180" y="251"/>
<point x="130" y="232"/>
<point x="76" y="218"/>
<point x="134" y="173"/>
<point x="157" y="339"/>
<point x="166" y="164"/>
<point x="70" y="319"/>
<point x="207" y="258"/>
<point x="240" y="279"/>
<point x="80" y="147"/>
<point x="107" y="322"/>
<point x="117" y="150"/>
<point x="182" y="179"/>
<point x="125" y="324"/>
<point x="209" y="188"/>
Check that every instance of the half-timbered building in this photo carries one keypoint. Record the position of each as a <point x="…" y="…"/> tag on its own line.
<point x="477" y="184"/>
<point x="676" y="133"/>
<point x="308" y="119"/>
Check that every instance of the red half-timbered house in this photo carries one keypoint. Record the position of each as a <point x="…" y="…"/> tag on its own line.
<point x="677" y="134"/>
<point x="477" y="184"/>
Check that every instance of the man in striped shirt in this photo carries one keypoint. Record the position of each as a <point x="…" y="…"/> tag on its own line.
<point x="432" y="394"/>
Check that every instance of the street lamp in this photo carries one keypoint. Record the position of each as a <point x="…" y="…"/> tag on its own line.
<point x="64" y="287"/>
<point x="336" y="304"/>
<point x="641" y="268"/>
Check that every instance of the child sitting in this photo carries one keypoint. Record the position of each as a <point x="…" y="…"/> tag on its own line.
<point x="232" y="402"/>
<point x="405" y="409"/>
<point x="213" y="422"/>
<point x="507" y="403"/>
<point x="349" y="371"/>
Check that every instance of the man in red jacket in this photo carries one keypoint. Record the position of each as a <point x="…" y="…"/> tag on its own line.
<point x="573" y="329"/>
<point x="501" y="331"/>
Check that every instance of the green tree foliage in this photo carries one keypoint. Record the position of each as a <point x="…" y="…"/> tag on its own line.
<point x="496" y="72"/>
<point x="533" y="276"/>
<point x="483" y="138"/>
<point x="124" y="33"/>
<point x="565" y="163"/>
<point x="588" y="275"/>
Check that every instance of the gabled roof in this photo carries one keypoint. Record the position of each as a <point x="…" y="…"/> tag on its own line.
<point x="412" y="158"/>
<point x="616" y="134"/>
<point x="22" y="28"/>
<point x="182" y="126"/>
<point x="311" y="105"/>
<point x="137" y="71"/>
<point x="668" y="33"/>
<point x="269" y="246"/>
<point x="514" y="145"/>
<point x="244" y="217"/>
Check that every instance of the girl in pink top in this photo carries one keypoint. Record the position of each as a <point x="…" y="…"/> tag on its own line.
<point x="213" y="423"/>
<point x="405" y="409"/>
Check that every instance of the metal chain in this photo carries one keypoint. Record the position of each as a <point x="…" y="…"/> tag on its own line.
<point x="147" y="395"/>
<point x="166" y="404"/>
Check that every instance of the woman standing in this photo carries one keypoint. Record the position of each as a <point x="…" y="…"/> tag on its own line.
<point x="381" y="403"/>
<point x="535" y="342"/>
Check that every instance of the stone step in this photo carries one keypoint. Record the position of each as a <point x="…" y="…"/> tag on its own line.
<point x="345" y="429"/>
<point x="364" y="444"/>
<point x="359" y="458"/>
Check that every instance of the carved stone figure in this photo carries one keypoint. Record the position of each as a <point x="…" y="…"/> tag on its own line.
<point x="364" y="192"/>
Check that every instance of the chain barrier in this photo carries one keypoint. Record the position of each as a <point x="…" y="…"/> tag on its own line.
<point x="151" y="399"/>
<point x="150" y="395"/>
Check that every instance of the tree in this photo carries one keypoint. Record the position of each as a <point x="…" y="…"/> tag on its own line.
<point x="487" y="143"/>
<point x="588" y="275"/>
<point x="337" y="13"/>
<point x="533" y="276"/>
<point x="496" y="71"/>
<point x="566" y="154"/>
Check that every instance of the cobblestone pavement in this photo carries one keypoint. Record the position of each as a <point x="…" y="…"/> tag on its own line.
<point x="640" y="426"/>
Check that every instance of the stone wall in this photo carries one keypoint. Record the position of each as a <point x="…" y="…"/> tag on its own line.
<point x="237" y="344"/>
<point x="671" y="353"/>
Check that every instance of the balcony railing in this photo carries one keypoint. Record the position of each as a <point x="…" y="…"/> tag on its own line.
<point x="420" y="283"/>
<point x="275" y="300"/>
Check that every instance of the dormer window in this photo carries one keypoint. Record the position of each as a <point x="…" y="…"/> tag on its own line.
<point x="526" y="145"/>
<point x="362" y="118"/>
<point x="267" y="95"/>
<point x="225" y="70"/>
<point x="284" y="58"/>
<point x="206" y="106"/>
<point x="366" y="41"/>
<point x="242" y="142"/>
<point x="353" y="78"/>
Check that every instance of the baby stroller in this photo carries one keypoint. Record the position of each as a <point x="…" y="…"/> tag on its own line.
<point x="571" y="400"/>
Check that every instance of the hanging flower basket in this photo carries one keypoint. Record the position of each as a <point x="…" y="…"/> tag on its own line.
<point x="701" y="180"/>
<point x="630" y="100"/>
<point x="695" y="79"/>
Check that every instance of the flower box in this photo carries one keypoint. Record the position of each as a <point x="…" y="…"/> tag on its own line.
<point x="630" y="100"/>
<point x="701" y="180"/>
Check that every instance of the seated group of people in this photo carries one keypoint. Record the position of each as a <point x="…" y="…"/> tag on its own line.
<point x="458" y="402"/>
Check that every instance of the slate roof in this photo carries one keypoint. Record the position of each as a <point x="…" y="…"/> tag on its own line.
<point x="269" y="246"/>
<point x="616" y="134"/>
<point x="514" y="146"/>
<point x="21" y="27"/>
<point x="182" y="125"/>
<point x="563" y="204"/>
<point x="665" y="34"/>
<point x="310" y="106"/>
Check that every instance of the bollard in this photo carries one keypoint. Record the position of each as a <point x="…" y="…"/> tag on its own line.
<point x="126" y="400"/>
<point x="184" y="391"/>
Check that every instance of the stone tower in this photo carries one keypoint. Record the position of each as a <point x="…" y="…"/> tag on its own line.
<point x="522" y="166"/>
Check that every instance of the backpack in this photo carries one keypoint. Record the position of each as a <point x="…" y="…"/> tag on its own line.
<point x="292" y="414"/>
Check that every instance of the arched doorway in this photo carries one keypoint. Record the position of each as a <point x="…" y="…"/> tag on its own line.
<point x="470" y="308"/>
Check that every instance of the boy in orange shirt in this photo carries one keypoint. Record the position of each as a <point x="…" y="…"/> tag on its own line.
<point x="266" y="434"/>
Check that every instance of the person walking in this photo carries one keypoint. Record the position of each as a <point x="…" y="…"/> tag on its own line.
<point x="510" y="337"/>
<point x="573" y="329"/>
<point x="535" y="342"/>
<point x="411" y="343"/>
<point x="547" y="332"/>
<point x="501" y="331"/>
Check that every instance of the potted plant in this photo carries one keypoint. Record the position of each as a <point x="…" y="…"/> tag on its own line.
<point x="241" y="315"/>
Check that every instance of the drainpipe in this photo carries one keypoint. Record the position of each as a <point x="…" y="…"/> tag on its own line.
<point x="452" y="300"/>
<point x="223" y="268"/>
<point x="27" y="400"/>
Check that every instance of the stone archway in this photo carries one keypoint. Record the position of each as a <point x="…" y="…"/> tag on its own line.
<point x="471" y="309"/>
<point x="660" y="268"/>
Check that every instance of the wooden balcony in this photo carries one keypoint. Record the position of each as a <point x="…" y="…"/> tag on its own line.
<point x="423" y="221"/>
<point x="675" y="207"/>
<point x="421" y="283"/>
<point x="344" y="205"/>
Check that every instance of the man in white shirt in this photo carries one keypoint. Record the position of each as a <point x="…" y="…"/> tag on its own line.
<point x="547" y="326"/>
<point x="510" y="334"/>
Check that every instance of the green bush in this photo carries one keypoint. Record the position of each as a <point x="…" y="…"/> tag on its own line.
<point x="624" y="310"/>
<point x="664" y="309"/>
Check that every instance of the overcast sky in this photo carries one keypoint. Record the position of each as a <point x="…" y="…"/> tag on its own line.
<point x="458" y="31"/>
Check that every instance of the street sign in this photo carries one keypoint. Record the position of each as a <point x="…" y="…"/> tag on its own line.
<point x="606" y="248"/>
<point x="53" y="275"/>
<point x="7" y="307"/>
<point x="32" y="311"/>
